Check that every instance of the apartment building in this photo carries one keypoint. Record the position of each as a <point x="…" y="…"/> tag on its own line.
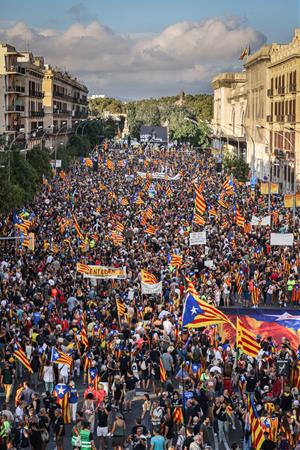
<point x="271" y="122"/>
<point x="38" y="102"/>
<point x="230" y="102"/>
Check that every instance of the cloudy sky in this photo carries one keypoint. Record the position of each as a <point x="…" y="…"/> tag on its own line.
<point x="134" y="49"/>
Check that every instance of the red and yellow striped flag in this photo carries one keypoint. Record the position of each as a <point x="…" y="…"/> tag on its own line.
<point x="119" y="227"/>
<point x="77" y="228"/>
<point x="110" y="165"/>
<point x="240" y="220"/>
<point x="124" y="201"/>
<point x="199" y="220"/>
<point x="246" y="340"/>
<point x="150" y="230"/>
<point x="176" y="260"/>
<point x="20" y="355"/>
<point x="177" y="415"/>
<point x="120" y="307"/>
<point x="162" y="371"/>
<point x="200" y="204"/>
<point x="148" y="277"/>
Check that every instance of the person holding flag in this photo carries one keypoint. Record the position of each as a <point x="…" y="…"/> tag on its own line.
<point x="62" y="394"/>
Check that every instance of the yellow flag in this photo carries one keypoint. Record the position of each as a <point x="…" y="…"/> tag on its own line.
<point x="264" y="188"/>
<point x="288" y="201"/>
<point x="297" y="200"/>
<point x="274" y="188"/>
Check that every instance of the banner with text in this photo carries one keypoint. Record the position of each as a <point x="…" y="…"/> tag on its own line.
<point x="158" y="176"/>
<point x="198" y="238"/>
<point x="152" y="289"/>
<point x="102" y="272"/>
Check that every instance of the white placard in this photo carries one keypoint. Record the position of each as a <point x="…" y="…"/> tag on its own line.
<point x="159" y="176"/>
<point x="58" y="163"/>
<point x="209" y="263"/>
<point x="263" y="222"/>
<point x="198" y="238"/>
<point x="282" y="239"/>
<point x="154" y="289"/>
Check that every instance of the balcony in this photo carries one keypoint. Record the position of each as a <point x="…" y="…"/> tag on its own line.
<point x="15" y="90"/>
<point x="36" y="113"/>
<point x="291" y="118"/>
<point x="61" y="112"/>
<point x="293" y="88"/>
<point x="270" y="119"/>
<point x="16" y="70"/>
<point x="37" y="94"/>
<point x="15" y="109"/>
<point x="63" y="96"/>
<point x="79" y="114"/>
<point x="280" y="118"/>
<point x="270" y="92"/>
<point x="281" y="90"/>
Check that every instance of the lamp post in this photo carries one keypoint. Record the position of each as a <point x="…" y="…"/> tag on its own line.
<point x="55" y="150"/>
<point x="44" y="134"/>
<point x="82" y="122"/>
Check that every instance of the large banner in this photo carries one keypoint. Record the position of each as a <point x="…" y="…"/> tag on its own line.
<point x="159" y="176"/>
<point x="102" y="272"/>
<point x="152" y="289"/>
<point x="265" y="323"/>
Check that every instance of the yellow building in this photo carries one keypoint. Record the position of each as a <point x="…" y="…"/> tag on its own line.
<point x="271" y="123"/>
<point x="37" y="102"/>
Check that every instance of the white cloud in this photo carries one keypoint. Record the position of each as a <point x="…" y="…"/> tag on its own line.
<point x="184" y="56"/>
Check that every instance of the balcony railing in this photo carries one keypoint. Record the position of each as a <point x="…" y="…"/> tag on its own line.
<point x="36" y="113"/>
<point x="63" y="96"/>
<point x="16" y="69"/>
<point x="79" y="114"/>
<point x="291" y="118"/>
<point x="61" y="112"/>
<point x="293" y="88"/>
<point x="38" y="94"/>
<point x="15" y="89"/>
<point x="280" y="118"/>
<point x="269" y="119"/>
<point x="15" y="108"/>
<point x="270" y="92"/>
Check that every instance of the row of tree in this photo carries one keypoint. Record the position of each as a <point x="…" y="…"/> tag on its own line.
<point x="21" y="174"/>
<point x="173" y="112"/>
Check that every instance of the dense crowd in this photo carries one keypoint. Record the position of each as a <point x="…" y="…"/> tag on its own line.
<point x="190" y="389"/>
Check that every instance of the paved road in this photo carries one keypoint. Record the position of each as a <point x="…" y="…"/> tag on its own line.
<point x="234" y="435"/>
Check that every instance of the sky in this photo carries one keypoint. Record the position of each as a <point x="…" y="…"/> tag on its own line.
<point x="139" y="49"/>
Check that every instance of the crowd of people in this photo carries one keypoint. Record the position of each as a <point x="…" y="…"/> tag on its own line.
<point x="101" y="353"/>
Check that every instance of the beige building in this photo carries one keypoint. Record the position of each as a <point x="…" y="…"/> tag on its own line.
<point x="271" y="123"/>
<point x="230" y="103"/>
<point x="37" y="102"/>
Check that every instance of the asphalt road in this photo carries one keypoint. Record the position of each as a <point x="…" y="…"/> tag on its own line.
<point x="234" y="435"/>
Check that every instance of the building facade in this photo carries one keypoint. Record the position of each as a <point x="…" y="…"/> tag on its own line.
<point x="230" y="103"/>
<point x="271" y="120"/>
<point x="38" y="103"/>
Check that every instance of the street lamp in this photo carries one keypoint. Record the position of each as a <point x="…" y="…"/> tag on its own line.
<point x="56" y="136"/>
<point x="44" y="134"/>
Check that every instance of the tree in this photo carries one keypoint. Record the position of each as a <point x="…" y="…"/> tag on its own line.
<point x="39" y="160"/>
<point x="237" y="166"/>
<point x="11" y="196"/>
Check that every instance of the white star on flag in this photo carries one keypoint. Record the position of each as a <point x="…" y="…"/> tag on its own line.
<point x="194" y="310"/>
